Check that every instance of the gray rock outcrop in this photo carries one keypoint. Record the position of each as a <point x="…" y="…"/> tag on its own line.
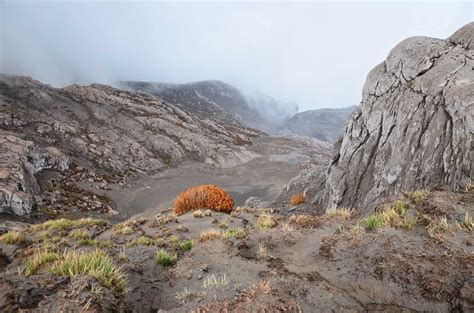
<point x="414" y="128"/>
<point x="323" y="124"/>
<point x="20" y="160"/>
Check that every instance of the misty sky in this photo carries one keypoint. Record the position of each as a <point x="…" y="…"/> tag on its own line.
<point x="315" y="54"/>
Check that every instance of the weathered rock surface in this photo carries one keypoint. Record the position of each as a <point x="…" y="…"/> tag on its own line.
<point x="100" y="127"/>
<point x="414" y="128"/>
<point x="20" y="160"/>
<point x="324" y="124"/>
<point x="218" y="100"/>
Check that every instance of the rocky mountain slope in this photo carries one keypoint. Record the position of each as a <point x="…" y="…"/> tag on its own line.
<point x="218" y="100"/>
<point x="414" y="128"/>
<point x="324" y="124"/>
<point x="101" y="128"/>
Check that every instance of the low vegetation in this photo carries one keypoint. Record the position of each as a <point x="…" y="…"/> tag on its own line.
<point x="266" y="221"/>
<point x="344" y="213"/>
<point x="40" y="258"/>
<point x="165" y="258"/>
<point x="96" y="243"/>
<point x="213" y="281"/>
<point x="186" y="245"/>
<point x="80" y="233"/>
<point x="94" y="263"/>
<point x="298" y="198"/>
<point x="238" y="233"/>
<point x="143" y="241"/>
<point x="210" y="234"/>
<point x="13" y="237"/>
<point x="303" y="220"/>
<point x="417" y="196"/>
<point x="197" y="213"/>
<point x="205" y="196"/>
<point x="63" y="224"/>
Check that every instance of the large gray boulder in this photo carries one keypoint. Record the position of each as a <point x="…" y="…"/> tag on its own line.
<point x="20" y="160"/>
<point x="414" y="128"/>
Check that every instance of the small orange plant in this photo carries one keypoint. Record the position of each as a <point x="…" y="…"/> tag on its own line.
<point x="204" y="196"/>
<point x="298" y="198"/>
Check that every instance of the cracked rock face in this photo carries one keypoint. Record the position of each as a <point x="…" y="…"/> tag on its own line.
<point x="414" y="128"/>
<point x="19" y="161"/>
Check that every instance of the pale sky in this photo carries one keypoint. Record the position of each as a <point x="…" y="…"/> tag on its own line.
<point x="316" y="54"/>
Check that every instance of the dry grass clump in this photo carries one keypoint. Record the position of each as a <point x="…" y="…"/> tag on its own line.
<point x="441" y="225"/>
<point x="303" y="220"/>
<point x="96" y="243"/>
<point x="298" y="198"/>
<point x="393" y="215"/>
<point x="417" y="196"/>
<point x="266" y="221"/>
<point x="210" y="234"/>
<point x="238" y="233"/>
<point x="209" y="213"/>
<point x="469" y="186"/>
<point x="205" y="196"/>
<point x="63" y="224"/>
<point x="80" y="233"/>
<point x="262" y="251"/>
<point x="94" y="263"/>
<point x="468" y="222"/>
<point x="344" y="213"/>
<point x="162" y="219"/>
<point x="197" y="213"/>
<point x="142" y="241"/>
<point x="184" y="295"/>
<point x="39" y="258"/>
<point x="262" y="287"/>
<point x="213" y="281"/>
<point x="13" y="237"/>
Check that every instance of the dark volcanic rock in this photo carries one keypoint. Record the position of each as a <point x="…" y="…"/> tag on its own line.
<point x="415" y="126"/>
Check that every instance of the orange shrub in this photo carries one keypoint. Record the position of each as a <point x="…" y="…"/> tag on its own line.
<point x="204" y="196"/>
<point x="298" y="198"/>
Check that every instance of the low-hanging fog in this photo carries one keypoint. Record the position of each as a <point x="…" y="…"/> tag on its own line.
<point x="314" y="54"/>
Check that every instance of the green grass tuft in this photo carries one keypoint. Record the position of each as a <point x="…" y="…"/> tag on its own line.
<point x="400" y="207"/>
<point x="373" y="221"/>
<point x="417" y="196"/>
<point x="13" y="237"/>
<point x="96" y="264"/>
<point x="266" y="221"/>
<point x="238" y="233"/>
<point x="164" y="258"/>
<point x="186" y="245"/>
<point x="143" y="241"/>
<point x="39" y="259"/>
<point x="96" y="243"/>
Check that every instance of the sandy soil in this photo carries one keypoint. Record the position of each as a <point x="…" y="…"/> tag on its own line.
<point x="280" y="160"/>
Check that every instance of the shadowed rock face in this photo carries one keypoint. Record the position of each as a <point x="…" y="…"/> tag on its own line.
<point x="414" y="128"/>
<point x="104" y="128"/>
